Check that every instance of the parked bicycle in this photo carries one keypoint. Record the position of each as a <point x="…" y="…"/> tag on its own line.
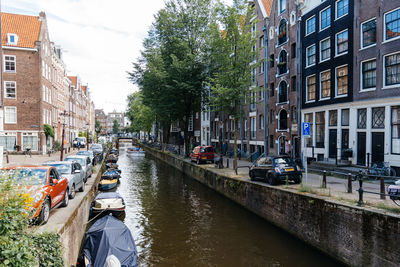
<point x="383" y="169"/>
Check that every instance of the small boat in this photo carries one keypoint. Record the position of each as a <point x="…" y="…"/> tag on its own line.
<point x="108" y="203"/>
<point x="112" y="159"/>
<point x="111" y="174"/>
<point x="108" y="242"/>
<point x="107" y="184"/>
<point x="135" y="151"/>
<point x="111" y="165"/>
<point x="114" y="151"/>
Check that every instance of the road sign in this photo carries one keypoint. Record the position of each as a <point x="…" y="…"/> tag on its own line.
<point x="306" y="129"/>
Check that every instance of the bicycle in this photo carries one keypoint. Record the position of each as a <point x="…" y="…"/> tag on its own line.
<point x="382" y="169"/>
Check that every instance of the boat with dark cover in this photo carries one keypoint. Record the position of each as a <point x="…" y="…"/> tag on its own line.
<point x="111" y="174"/>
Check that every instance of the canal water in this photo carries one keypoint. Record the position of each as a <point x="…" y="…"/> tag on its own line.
<point x="176" y="221"/>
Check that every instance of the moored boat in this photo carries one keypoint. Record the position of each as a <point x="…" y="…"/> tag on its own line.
<point x="135" y="151"/>
<point x="111" y="174"/>
<point x="111" y="165"/>
<point x="107" y="184"/>
<point x="108" y="203"/>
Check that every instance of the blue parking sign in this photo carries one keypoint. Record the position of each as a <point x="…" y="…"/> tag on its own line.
<point x="306" y="129"/>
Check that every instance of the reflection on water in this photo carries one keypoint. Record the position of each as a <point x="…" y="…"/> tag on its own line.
<point x="177" y="221"/>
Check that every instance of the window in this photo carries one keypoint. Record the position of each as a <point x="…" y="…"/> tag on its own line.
<point x="368" y="69"/>
<point x="12" y="39"/>
<point x="293" y="83"/>
<point x="342" y="80"/>
<point x="378" y="118"/>
<point x="282" y="65"/>
<point x="282" y="32"/>
<point x="310" y="55"/>
<point x="325" y="47"/>
<point x="9" y="63"/>
<point x="293" y="111"/>
<point x="310" y="88"/>
<point x="293" y="50"/>
<point x="283" y="92"/>
<point x="396" y="130"/>
<point x="345" y="117"/>
<point x="392" y="69"/>
<point x="253" y="76"/>
<point x="333" y="118"/>
<point x="392" y="24"/>
<point x="325" y="18"/>
<point x="272" y="89"/>
<point x="271" y="141"/>
<point x="362" y="118"/>
<point x="261" y="122"/>
<point x="320" y="129"/>
<point x="325" y="84"/>
<point x="282" y="5"/>
<point x="309" y="118"/>
<point x="262" y="41"/>
<point x="342" y="8"/>
<point x="283" y="120"/>
<point x="10" y="115"/>
<point x="261" y="93"/>
<point x="368" y="35"/>
<point x="310" y="25"/>
<point x="253" y="127"/>
<point x="10" y="90"/>
<point x="271" y="61"/>
<point x="262" y="67"/>
<point x="342" y="42"/>
<point x="30" y="141"/>
<point x="272" y="115"/>
<point x="253" y="101"/>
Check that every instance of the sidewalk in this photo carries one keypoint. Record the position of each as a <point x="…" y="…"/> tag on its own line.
<point x="19" y="160"/>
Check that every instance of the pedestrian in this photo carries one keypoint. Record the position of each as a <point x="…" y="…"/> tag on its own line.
<point x="78" y="144"/>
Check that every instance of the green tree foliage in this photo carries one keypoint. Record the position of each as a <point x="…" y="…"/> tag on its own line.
<point x="97" y="127"/>
<point x="115" y="127"/>
<point x="140" y="115"/>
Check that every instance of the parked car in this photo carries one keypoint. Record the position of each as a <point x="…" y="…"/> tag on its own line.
<point x="74" y="174"/>
<point x="81" y="140"/>
<point x="88" y="153"/>
<point x="202" y="154"/>
<point x="275" y="169"/>
<point x="84" y="161"/>
<point x="98" y="151"/>
<point x="45" y="185"/>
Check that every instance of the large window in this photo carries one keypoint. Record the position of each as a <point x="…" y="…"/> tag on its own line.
<point x="342" y="42"/>
<point x="283" y="92"/>
<point x="378" y="118"/>
<point x="342" y="8"/>
<point x="282" y="5"/>
<point x="342" y="75"/>
<point x="362" y="118"/>
<point x="30" y="141"/>
<point x="282" y="32"/>
<point x="310" y="88"/>
<point x="8" y="142"/>
<point x="325" y="18"/>
<point x="253" y="127"/>
<point x="368" y="69"/>
<point x="325" y="48"/>
<point x="10" y="89"/>
<point x="368" y="36"/>
<point x="396" y="130"/>
<point x="310" y="25"/>
<point x="325" y="84"/>
<point x="392" y="69"/>
<point x="392" y="24"/>
<point x="320" y="129"/>
<point x="283" y="120"/>
<point x="333" y="118"/>
<point x="9" y="63"/>
<point x="310" y="55"/>
<point x="10" y="115"/>
<point x="282" y="65"/>
<point x="345" y="118"/>
<point x="309" y="118"/>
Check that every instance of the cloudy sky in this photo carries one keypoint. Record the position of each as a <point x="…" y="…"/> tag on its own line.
<point x="100" y="39"/>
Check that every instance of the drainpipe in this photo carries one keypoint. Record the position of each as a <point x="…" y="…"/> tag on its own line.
<point x="266" y="128"/>
<point x="298" y="80"/>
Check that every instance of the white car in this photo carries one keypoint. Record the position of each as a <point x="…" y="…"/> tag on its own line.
<point x="84" y="161"/>
<point x="81" y="140"/>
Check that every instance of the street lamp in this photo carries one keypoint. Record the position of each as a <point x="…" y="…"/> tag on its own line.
<point x="87" y="136"/>
<point x="63" y="135"/>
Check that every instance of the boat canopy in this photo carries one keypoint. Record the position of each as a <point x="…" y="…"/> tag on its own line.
<point x="108" y="195"/>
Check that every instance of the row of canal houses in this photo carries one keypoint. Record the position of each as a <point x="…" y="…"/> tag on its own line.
<point x="332" y="63"/>
<point x="37" y="89"/>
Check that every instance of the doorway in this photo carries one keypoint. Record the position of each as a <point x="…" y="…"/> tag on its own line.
<point x="332" y="143"/>
<point x="361" y="148"/>
<point x="345" y="142"/>
<point x="378" y="148"/>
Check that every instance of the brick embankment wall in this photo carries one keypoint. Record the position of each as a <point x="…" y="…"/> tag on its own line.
<point x="352" y="235"/>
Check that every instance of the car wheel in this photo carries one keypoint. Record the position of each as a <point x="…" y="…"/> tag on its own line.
<point x="66" y="199"/>
<point x="297" y="180"/>
<point x="73" y="192"/>
<point x="198" y="161"/>
<point x="44" y="213"/>
<point x="251" y="174"/>
<point x="82" y="187"/>
<point x="271" y="179"/>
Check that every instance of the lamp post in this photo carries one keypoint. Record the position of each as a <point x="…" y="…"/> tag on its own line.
<point x="87" y="136"/>
<point x="63" y="135"/>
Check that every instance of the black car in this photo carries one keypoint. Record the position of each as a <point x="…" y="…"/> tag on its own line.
<point x="275" y="169"/>
<point x="97" y="151"/>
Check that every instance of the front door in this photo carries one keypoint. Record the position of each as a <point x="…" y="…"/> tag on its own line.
<point x="378" y="149"/>
<point x="361" y="148"/>
<point x="332" y="143"/>
<point x="345" y="141"/>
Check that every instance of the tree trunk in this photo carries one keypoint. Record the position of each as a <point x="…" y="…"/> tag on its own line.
<point x="156" y="132"/>
<point x="235" y="144"/>
<point x="186" y="135"/>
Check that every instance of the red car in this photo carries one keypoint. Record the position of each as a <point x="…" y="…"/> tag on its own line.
<point x="202" y="154"/>
<point x="46" y="187"/>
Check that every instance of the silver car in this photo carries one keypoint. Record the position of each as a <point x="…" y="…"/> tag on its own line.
<point x="73" y="172"/>
<point x="85" y="163"/>
<point x="88" y="153"/>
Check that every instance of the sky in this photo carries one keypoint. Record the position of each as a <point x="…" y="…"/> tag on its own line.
<point x="100" y="39"/>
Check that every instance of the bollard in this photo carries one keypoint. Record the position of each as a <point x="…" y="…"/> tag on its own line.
<point x="227" y="163"/>
<point x="324" y="180"/>
<point x="7" y="159"/>
<point x="360" y="194"/>
<point x="349" y="185"/>
<point x="383" y="196"/>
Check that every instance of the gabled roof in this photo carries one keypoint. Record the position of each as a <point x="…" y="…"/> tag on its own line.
<point x="267" y="5"/>
<point x="27" y="28"/>
<point x="84" y="89"/>
<point x="74" y="80"/>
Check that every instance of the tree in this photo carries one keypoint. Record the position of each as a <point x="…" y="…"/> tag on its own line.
<point x="97" y="128"/>
<point x="140" y="115"/>
<point x="48" y="131"/>
<point x="233" y="54"/>
<point x="115" y="127"/>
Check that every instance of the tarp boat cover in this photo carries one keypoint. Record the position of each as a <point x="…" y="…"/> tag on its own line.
<point x="109" y="236"/>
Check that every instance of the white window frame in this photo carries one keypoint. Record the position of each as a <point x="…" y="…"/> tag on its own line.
<point x="384" y="27"/>
<point x="320" y="20"/>
<point x="336" y="81"/>
<point x="5" y="115"/>
<point x="320" y="49"/>
<point x="9" y="35"/>
<point x="313" y="100"/>
<point x="5" y="89"/>
<point x="361" y="76"/>
<point x="320" y="84"/>
<point x="281" y="10"/>
<point x="362" y="36"/>
<point x="336" y="43"/>
<point x="384" y="72"/>
<point x="315" y="25"/>
<point x="15" y="63"/>
<point x="315" y="55"/>
<point x="336" y="9"/>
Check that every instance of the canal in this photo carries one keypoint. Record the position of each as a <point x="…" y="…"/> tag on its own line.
<point x="176" y="221"/>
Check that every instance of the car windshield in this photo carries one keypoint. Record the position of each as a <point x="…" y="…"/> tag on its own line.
<point x="85" y="153"/>
<point x="97" y="146"/>
<point x="79" y="160"/>
<point x="283" y="161"/>
<point x="62" y="168"/>
<point x="29" y="176"/>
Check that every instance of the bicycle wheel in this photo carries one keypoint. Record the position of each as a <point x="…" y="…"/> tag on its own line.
<point x="389" y="171"/>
